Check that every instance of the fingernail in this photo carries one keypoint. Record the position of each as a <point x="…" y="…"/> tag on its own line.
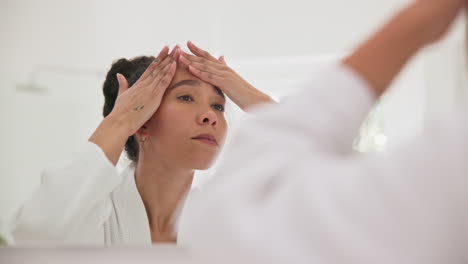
<point x="162" y="51"/>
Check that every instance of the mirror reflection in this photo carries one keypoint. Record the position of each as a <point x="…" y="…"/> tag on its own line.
<point x="127" y="122"/>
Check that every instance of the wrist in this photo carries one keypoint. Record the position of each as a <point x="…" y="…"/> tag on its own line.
<point x="433" y="18"/>
<point x="119" y="124"/>
<point x="111" y="136"/>
<point x="257" y="98"/>
<point x="415" y="21"/>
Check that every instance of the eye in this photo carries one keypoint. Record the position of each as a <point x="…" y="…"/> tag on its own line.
<point x="218" y="107"/>
<point x="186" y="98"/>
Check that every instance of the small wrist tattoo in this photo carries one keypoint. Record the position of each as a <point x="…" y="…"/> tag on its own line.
<point x="138" y="108"/>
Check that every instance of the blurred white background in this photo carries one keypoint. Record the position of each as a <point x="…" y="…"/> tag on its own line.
<point x="55" y="54"/>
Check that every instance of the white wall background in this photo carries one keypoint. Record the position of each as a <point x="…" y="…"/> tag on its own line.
<point x="65" y="48"/>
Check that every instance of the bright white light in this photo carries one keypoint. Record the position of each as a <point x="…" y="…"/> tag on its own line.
<point x="380" y="140"/>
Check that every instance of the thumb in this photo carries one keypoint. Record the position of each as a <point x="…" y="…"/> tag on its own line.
<point x="123" y="84"/>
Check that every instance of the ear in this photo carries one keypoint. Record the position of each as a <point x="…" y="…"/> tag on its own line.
<point x="142" y="134"/>
<point x="143" y="131"/>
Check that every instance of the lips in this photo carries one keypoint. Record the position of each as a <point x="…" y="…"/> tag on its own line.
<point x="206" y="138"/>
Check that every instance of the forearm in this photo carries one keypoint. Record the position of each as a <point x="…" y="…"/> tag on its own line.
<point x="111" y="136"/>
<point x="254" y="98"/>
<point x="382" y="57"/>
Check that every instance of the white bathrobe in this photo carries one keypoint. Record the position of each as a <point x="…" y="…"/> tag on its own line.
<point x="291" y="190"/>
<point x="84" y="201"/>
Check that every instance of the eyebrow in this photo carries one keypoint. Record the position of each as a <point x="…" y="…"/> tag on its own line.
<point x="195" y="83"/>
<point x="185" y="82"/>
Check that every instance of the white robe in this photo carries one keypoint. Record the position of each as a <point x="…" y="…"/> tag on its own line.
<point x="291" y="190"/>
<point x="84" y="201"/>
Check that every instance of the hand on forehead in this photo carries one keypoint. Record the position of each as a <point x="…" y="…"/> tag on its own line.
<point x="184" y="77"/>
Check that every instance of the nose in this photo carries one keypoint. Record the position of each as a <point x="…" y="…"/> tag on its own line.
<point x="208" y="118"/>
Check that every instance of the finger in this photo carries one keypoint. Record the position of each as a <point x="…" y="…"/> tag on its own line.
<point x="203" y="67"/>
<point x="161" y="73"/>
<point x="177" y="54"/>
<point x="123" y="84"/>
<point x="162" y="55"/>
<point x="184" y="60"/>
<point x="157" y="70"/>
<point x="221" y="59"/>
<point x="174" y="51"/>
<point x="192" y="59"/>
<point x="206" y="76"/>
<point x="162" y="82"/>
<point x="199" y="52"/>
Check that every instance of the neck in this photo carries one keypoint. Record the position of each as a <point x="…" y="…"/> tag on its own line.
<point x="163" y="188"/>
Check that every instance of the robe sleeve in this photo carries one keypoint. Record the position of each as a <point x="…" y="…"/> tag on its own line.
<point x="72" y="202"/>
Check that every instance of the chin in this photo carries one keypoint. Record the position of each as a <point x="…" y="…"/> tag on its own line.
<point x="203" y="164"/>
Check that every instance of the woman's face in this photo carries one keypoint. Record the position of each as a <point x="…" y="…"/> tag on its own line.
<point x="189" y="128"/>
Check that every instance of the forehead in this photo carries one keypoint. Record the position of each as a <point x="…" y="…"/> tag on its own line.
<point x="182" y="73"/>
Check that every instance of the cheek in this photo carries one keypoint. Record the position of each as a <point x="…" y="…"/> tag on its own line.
<point x="169" y="121"/>
<point x="223" y="128"/>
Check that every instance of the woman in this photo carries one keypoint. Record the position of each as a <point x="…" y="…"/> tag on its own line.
<point x="170" y="122"/>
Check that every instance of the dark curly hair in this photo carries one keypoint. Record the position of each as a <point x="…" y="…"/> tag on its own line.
<point x="132" y="70"/>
